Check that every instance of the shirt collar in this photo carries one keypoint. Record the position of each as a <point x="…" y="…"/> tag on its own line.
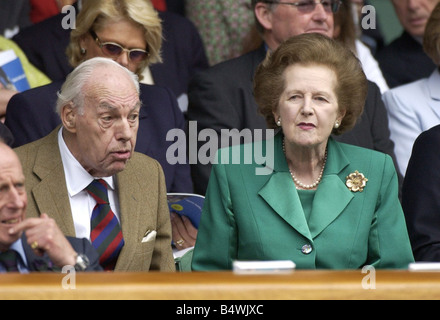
<point x="18" y="246"/>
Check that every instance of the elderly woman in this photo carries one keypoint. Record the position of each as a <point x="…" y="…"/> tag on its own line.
<point x="326" y="204"/>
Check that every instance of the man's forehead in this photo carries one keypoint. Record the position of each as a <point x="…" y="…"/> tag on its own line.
<point x="110" y="99"/>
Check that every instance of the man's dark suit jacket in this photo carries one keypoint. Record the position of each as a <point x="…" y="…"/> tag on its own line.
<point x="183" y="53"/>
<point x="404" y="61"/>
<point x="6" y="134"/>
<point x="31" y="115"/>
<point x="421" y="196"/>
<point x="83" y="246"/>
<point x="221" y="98"/>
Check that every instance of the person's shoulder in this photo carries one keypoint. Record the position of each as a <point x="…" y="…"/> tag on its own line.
<point x="142" y="162"/>
<point x="173" y="21"/>
<point x="32" y="147"/>
<point x="407" y="94"/>
<point x="233" y="68"/>
<point x="365" y="157"/>
<point x="350" y="149"/>
<point x="429" y="137"/>
<point x="154" y="92"/>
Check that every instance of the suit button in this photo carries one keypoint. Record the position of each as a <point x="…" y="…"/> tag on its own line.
<point x="306" y="249"/>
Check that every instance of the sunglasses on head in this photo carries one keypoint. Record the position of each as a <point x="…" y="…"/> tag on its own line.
<point x="307" y="6"/>
<point x="114" y="50"/>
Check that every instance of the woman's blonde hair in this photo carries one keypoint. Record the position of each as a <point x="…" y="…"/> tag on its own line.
<point x="312" y="49"/>
<point x="94" y="15"/>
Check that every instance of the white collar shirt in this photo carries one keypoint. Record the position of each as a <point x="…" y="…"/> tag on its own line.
<point x="81" y="203"/>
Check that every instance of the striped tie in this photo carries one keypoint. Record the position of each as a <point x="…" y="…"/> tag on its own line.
<point x="9" y="259"/>
<point x="105" y="231"/>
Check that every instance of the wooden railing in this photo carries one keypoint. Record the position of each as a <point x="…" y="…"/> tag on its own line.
<point x="223" y="285"/>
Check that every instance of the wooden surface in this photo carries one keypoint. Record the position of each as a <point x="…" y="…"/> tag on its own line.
<point x="223" y="285"/>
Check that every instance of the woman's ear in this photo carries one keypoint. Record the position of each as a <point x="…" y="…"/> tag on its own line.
<point x="277" y="118"/>
<point x="341" y="116"/>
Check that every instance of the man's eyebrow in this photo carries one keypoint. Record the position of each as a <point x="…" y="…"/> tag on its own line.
<point x="105" y="105"/>
<point x="109" y="106"/>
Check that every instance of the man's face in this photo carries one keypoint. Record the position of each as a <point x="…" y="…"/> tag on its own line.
<point x="13" y="198"/>
<point x="414" y="14"/>
<point x="285" y="21"/>
<point x="105" y="130"/>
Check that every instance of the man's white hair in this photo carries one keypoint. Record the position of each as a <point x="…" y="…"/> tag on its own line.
<point x="72" y="89"/>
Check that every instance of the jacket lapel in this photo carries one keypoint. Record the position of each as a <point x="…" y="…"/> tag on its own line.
<point x="280" y="194"/>
<point x="51" y="193"/>
<point x="331" y="198"/>
<point x="129" y="213"/>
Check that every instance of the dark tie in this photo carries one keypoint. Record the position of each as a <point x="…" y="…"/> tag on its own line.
<point x="9" y="260"/>
<point x="105" y="231"/>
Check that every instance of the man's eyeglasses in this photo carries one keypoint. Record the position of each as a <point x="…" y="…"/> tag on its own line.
<point x="114" y="50"/>
<point x="307" y="6"/>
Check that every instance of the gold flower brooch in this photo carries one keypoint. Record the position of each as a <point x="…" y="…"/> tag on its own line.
<point x="356" y="181"/>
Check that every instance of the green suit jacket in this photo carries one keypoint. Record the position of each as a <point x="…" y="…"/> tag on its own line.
<point x="142" y="202"/>
<point x="247" y="216"/>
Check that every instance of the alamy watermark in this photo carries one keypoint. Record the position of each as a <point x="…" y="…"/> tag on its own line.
<point x="368" y="20"/>
<point x="69" y="19"/>
<point x="200" y="147"/>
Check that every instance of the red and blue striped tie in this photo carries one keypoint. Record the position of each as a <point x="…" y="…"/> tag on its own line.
<point x="105" y="231"/>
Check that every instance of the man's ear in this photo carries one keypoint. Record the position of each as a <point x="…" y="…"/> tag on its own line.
<point x="68" y="117"/>
<point x="264" y="15"/>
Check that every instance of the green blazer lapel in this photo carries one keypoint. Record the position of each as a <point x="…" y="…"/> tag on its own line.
<point x="332" y="195"/>
<point x="280" y="193"/>
<point x="51" y="193"/>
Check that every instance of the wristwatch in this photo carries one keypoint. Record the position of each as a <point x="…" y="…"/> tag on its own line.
<point x="82" y="262"/>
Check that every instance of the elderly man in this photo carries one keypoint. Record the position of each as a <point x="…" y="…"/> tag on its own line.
<point x="87" y="176"/>
<point x="403" y="60"/>
<point x="35" y="244"/>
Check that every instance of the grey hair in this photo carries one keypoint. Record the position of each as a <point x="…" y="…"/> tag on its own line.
<point x="71" y="91"/>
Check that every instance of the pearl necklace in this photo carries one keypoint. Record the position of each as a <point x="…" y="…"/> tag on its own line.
<point x="299" y="184"/>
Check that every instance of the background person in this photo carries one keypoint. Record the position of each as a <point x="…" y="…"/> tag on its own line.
<point x="420" y="201"/>
<point x="414" y="107"/>
<point x="403" y="60"/>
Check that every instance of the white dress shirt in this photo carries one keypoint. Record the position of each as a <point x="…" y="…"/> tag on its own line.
<point x="81" y="203"/>
<point x="371" y="66"/>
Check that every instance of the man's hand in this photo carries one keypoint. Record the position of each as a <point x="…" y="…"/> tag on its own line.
<point x="44" y="236"/>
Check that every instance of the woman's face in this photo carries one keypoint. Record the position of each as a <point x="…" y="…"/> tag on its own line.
<point x="125" y="33"/>
<point x="308" y="107"/>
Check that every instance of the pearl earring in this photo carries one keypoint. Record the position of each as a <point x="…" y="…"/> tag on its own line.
<point x="83" y="51"/>
<point x="337" y="124"/>
<point x="279" y="122"/>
